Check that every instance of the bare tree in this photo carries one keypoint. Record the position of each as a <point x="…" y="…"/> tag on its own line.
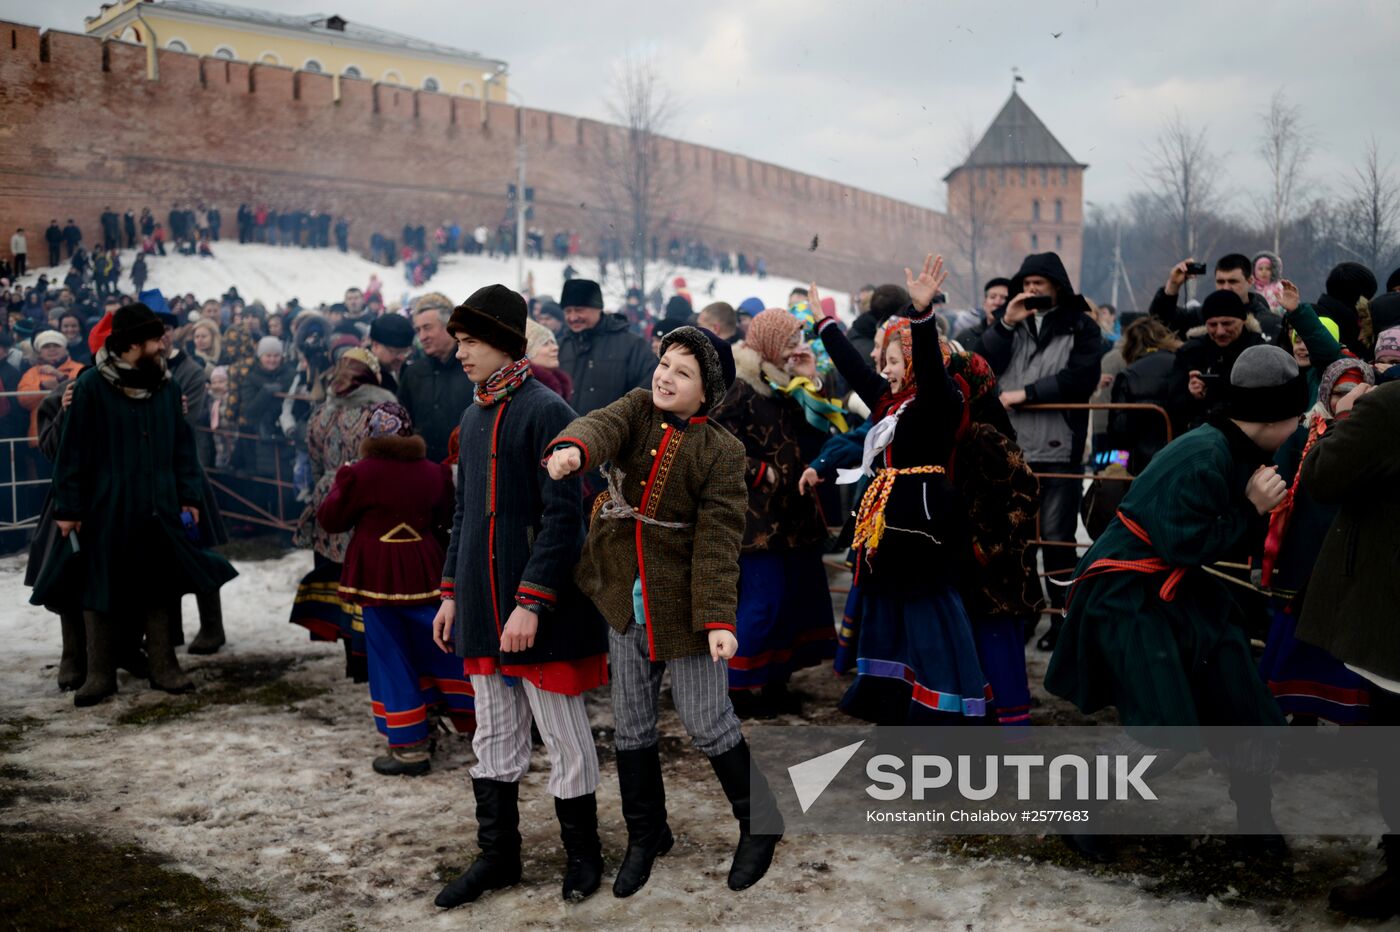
<point x="1372" y="212"/>
<point x="1284" y="148"/>
<point x="975" y="222"/>
<point x="638" y="183"/>
<point x="1183" y="176"/>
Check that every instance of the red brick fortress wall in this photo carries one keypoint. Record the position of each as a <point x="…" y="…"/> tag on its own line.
<point x="81" y="128"/>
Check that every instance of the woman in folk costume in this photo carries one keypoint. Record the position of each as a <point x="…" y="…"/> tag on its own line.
<point x="1308" y="682"/>
<point x="399" y="506"/>
<point x="915" y="654"/>
<point x="776" y="409"/>
<point x="333" y="438"/>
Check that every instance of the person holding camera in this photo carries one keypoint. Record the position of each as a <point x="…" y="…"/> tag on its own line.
<point x="1046" y="348"/>
<point x="1203" y="364"/>
<point x="1232" y="273"/>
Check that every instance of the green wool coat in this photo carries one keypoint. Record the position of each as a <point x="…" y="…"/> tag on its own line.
<point x="675" y="471"/>
<point x="1184" y="661"/>
<point x="1350" y="609"/>
<point x="124" y="469"/>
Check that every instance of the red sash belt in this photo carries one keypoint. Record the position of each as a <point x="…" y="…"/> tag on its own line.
<point x="1149" y="565"/>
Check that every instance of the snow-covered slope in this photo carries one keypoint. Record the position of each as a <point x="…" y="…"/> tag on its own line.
<point x="274" y="275"/>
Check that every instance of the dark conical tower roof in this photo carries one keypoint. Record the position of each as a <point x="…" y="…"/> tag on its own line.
<point x="1018" y="137"/>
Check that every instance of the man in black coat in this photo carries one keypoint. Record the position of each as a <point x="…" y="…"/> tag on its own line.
<point x="111" y="229"/>
<point x="994" y="297"/>
<point x="432" y="386"/>
<point x="1232" y="273"/>
<point x="129" y="228"/>
<point x="54" y="237"/>
<point x="1201" y="373"/>
<point x="598" y="351"/>
<point x="72" y="236"/>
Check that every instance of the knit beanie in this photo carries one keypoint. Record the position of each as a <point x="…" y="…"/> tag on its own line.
<point x="771" y="333"/>
<point x="270" y="346"/>
<point x="1224" y="303"/>
<point x="1266" y="386"/>
<point x="1393" y="281"/>
<point x="1349" y="282"/>
<point x="1385" y="313"/>
<point x="751" y="306"/>
<point x="495" y="315"/>
<point x="1388" y="346"/>
<point x="715" y="356"/>
<point x="1345" y="371"/>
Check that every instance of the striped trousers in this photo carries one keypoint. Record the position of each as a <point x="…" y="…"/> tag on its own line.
<point x="502" y="739"/>
<point x="699" y="688"/>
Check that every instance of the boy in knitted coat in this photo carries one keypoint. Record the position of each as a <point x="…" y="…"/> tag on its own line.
<point x="662" y="565"/>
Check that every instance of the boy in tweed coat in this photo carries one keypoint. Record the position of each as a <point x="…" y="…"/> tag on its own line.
<point x="662" y="565"/>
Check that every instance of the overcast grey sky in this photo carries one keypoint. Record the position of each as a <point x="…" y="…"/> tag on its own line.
<point x="879" y="93"/>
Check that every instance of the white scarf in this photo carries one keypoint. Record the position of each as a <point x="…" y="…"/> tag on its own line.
<point x="876" y="441"/>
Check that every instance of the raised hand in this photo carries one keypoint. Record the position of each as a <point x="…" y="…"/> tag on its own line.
<point x="928" y="283"/>
<point x="1288" y="298"/>
<point x="814" y="301"/>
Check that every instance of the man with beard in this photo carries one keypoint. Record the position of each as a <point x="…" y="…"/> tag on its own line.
<point x="127" y="482"/>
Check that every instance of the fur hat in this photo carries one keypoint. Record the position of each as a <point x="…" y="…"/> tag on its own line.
<point x="496" y="315"/>
<point x="580" y="292"/>
<point x="433" y="300"/>
<point x="132" y="324"/>
<point x="392" y="330"/>
<point x="715" y="356"/>
<point x="1266" y="386"/>
<point x="1224" y="303"/>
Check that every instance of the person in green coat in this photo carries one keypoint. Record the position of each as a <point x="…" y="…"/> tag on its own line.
<point x="1147" y="629"/>
<point x="126" y="486"/>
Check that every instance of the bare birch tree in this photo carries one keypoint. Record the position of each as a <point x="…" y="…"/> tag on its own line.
<point x="1183" y="176"/>
<point x="1284" y="148"/>
<point x="974" y="216"/>
<point x="1372" y="212"/>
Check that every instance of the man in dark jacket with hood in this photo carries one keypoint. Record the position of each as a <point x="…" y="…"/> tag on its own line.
<point x="1048" y="355"/>
<point x="1202" y="368"/>
<point x="603" y="357"/>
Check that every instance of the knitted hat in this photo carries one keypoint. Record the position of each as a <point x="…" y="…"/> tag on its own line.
<point x="715" y="356"/>
<point x="1266" y="386"/>
<point x="1345" y="371"/>
<point x="537" y="335"/>
<point x="1388" y="346"/>
<point x="132" y="324"/>
<point x="1385" y="313"/>
<point x="751" y="306"/>
<point x="550" y="309"/>
<point x="269" y="346"/>
<point x="1349" y="282"/>
<point x="1224" y="303"/>
<point x="580" y="292"/>
<point x="771" y="333"/>
<point x="496" y="315"/>
<point x="49" y="338"/>
<point x="389" y="419"/>
<point x="1393" y="281"/>
<point x="392" y="330"/>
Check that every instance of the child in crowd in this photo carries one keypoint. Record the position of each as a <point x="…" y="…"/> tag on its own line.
<point x="662" y="564"/>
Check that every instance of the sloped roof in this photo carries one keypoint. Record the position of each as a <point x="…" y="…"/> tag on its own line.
<point x="316" y="23"/>
<point x="1018" y="137"/>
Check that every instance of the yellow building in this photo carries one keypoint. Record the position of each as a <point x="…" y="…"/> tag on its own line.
<point x="315" y="42"/>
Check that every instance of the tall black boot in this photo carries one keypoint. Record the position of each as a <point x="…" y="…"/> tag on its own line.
<point x="1378" y="898"/>
<point x="211" y="624"/>
<point x="166" y="674"/>
<point x="497" y="865"/>
<point x="644" y="811"/>
<point x="101" y="679"/>
<point x="1253" y="795"/>
<point x="578" y="829"/>
<point x="749" y="799"/>
<point x="72" y="665"/>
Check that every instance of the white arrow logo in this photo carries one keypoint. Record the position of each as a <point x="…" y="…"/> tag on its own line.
<point x="811" y="777"/>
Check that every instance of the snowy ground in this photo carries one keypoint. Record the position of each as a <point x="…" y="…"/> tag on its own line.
<point x="274" y="274"/>
<point x="272" y="797"/>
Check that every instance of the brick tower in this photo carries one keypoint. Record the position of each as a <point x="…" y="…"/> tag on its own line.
<point x="1019" y="191"/>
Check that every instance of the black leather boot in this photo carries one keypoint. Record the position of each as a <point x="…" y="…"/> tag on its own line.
<point x="101" y="679"/>
<point x="497" y="865"/>
<point x="1375" y="899"/>
<point x="211" y="624"/>
<point x="578" y="829"/>
<point x="750" y="799"/>
<point x="644" y="811"/>
<point x="72" y="665"/>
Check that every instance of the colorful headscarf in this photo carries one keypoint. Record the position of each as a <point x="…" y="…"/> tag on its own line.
<point x="389" y="419"/>
<point x="898" y="329"/>
<point x="805" y="316"/>
<point x="770" y="334"/>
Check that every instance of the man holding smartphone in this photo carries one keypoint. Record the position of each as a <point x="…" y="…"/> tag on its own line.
<point x="1203" y="364"/>
<point x="1045" y="348"/>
